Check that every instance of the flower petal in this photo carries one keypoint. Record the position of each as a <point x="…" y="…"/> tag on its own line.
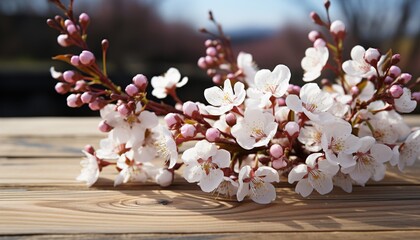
<point x="268" y="174"/>
<point x="211" y="181"/>
<point x="264" y="194"/>
<point x="304" y="188"/>
<point x="297" y="173"/>
<point x="221" y="158"/>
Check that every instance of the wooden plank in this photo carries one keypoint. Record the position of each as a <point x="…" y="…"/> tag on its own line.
<point x="190" y="211"/>
<point x="61" y="172"/>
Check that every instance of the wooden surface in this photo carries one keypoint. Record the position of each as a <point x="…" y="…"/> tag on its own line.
<point x="39" y="198"/>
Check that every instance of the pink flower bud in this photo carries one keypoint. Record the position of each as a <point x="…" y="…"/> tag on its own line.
<point x="131" y="90"/>
<point x="87" y="58"/>
<point x="140" y="81"/>
<point x="202" y="63"/>
<point x="211" y="72"/>
<point x="190" y="109"/>
<point x="337" y="27"/>
<point x="89" y="149"/>
<point x="313" y="35"/>
<point x="73" y="100"/>
<point x="84" y="18"/>
<point x="372" y="56"/>
<point x="70" y="76"/>
<point x="68" y="22"/>
<point x="212" y="134"/>
<point x="80" y="86"/>
<point x="187" y="130"/>
<point x="291" y="128"/>
<point x="416" y="96"/>
<point x="209" y="60"/>
<point x="296" y="89"/>
<point x="396" y="91"/>
<point x="281" y="102"/>
<point x="405" y="77"/>
<point x="211" y="51"/>
<point x="394" y="71"/>
<point x="276" y="151"/>
<point x="71" y="29"/>
<point x="354" y="90"/>
<point x="62" y="88"/>
<point x="315" y="17"/>
<point x="74" y="60"/>
<point x="164" y="177"/>
<point x="217" y="79"/>
<point x="87" y="97"/>
<point x="97" y="104"/>
<point x="395" y="59"/>
<point x="123" y="109"/>
<point x="278" y="163"/>
<point x="63" y="40"/>
<point x="208" y="43"/>
<point x="104" y="127"/>
<point x="319" y="43"/>
<point x="231" y="119"/>
<point x="388" y="80"/>
<point x="172" y="119"/>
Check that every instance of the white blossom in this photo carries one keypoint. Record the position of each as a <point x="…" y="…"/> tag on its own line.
<point x="223" y="100"/>
<point x="171" y="79"/>
<point x="131" y="171"/>
<point x="90" y="169"/>
<point x="370" y="159"/>
<point x="310" y="135"/>
<point x="273" y="83"/>
<point x="405" y="104"/>
<point x="358" y="67"/>
<point x="313" y="62"/>
<point x="408" y="152"/>
<point x="248" y="67"/>
<point x="256" y="129"/>
<point x="257" y="185"/>
<point x="203" y="165"/>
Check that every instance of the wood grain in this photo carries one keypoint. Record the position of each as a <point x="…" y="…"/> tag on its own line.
<point x="190" y="211"/>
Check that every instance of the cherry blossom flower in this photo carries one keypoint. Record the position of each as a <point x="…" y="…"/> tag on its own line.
<point x="379" y="128"/>
<point x="312" y="101"/>
<point x="358" y="66"/>
<point x="408" y="152"/>
<point x="203" y="165"/>
<point x="248" y="67"/>
<point x="166" y="146"/>
<point x="343" y="181"/>
<point x="370" y="159"/>
<point x="225" y="99"/>
<point x="313" y="62"/>
<point x="131" y="171"/>
<point x="228" y="187"/>
<point x="338" y="143"/>
<point x="170" y="80"/>
<point x="256" y="129"/>
<point x="310" y="135"/>
<point x="90" y="169"/>
<point x="109" y="149"/>
<point x="273" y="83"/>
<point x="257" y="184"/>
<point x="405" y="104"/>
<point x="315" y="174"/>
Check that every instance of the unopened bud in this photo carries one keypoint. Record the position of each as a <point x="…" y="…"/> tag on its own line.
<point x="71" y="29"/>
<point x="405" y="77"/>
<point x="87" y="97"/>
<point x="372" y="56"/>
<point x="89" y="149"/>
<point x="394" y="71"/>
<point x="416" y="96"/>
<point x="97" y="104"/>
<point x="313" y="35"/>
<point x="338" y="28"/>
<point x="68" y="22"/>
<point x="73" y="100"/>
<point x="74" y="60"/>
<point x="209" y="60"/>
<point x="105" y="44"/>
<point x="354" y="90"/>
<point x="140" y="81"/>
<point x="315" y="18"/>
<point x="71" y="76"/>
<point x="211" y="51"/>
<point x="123" y="109"/>
<point x="276" y="151"/>
<point x="230" y="119"/>
<point x="80" y="86"/>
<point x="388" y="80"/>
<point x="62" y="88"/>
<point x="395" y="59"/>
<point x="202" y="63"/>
<point x="104" y="127"/>
<point x="291" y="128"/>
<point x="63" y="40"/>
<point x="87" y="58"/>
<point x="172" y="119"/>
<point x="396" y="91"/>
<point x="278" y="163"/>
<point x="217" y="79"/>
<point x="187" y="130"/>
<point x="84" y="20"/>
<point x="190" y="109"/>
<point x="319" y="43"/>
<point x="131" y="90"/>
<point x="212" y="134"/>
<point x="164" y="177"/>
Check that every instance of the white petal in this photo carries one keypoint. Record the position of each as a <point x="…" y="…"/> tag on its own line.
<point x="243" y="191"/>
<point x="304" y="188"/>
<point x="297" y="173"/>
<point x="268" y="174"/>
<point x="345" y="160"/>
<point x="294" y="103"/>
<point x="264" y="194"/>
<point x="190" y="156"/>
<point x="322" y="184"/>
<point x="327" y="167"/>
<point x="205" y="150"/>
<point x="193" y="173"/>
<point x="357" y="53"/>
<point x="211" y="181"/>
<point x="148" y="119"/>
<point x="240" y="93"/>
<point x="381" y="153"/>
<point x="360" y="174"/>
<point x="311" y="159"/>
<point x="222" y="158"/>
<point x="182" y="82"/>
<point x="366" y="143"/>
<point x="159" y="93"/>
<point x="214" y="96"/>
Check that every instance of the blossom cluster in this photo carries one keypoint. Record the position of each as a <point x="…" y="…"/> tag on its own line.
<point x="255" y="127"/>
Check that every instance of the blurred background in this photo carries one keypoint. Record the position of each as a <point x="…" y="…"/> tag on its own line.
<point x="149" y="36"/>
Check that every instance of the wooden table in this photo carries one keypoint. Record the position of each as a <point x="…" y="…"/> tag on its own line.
<point x="40" y="199"/>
